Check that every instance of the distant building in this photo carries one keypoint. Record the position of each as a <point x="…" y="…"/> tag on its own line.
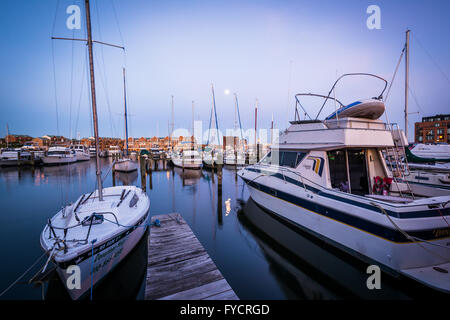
<point x="435" y="129"/>
<point x="18" y="139"/>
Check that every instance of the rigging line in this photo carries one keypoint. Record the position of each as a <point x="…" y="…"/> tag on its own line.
<point x="415" y="99"/>
<point x="79" y="99"/>
<point x="105" y="88"/>
<point x="432" y="59"/>
<point x="103" y="70"/>
<point x="71" y="88"/>
<point x="117" y="22"/>
<point x="55" y="88"/>
<point x="395" y="73"/>
<point x="54" y="18"/>
<point x="209" y="129"/>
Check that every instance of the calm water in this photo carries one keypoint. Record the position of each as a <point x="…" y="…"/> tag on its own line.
<point x="260" y="257"/>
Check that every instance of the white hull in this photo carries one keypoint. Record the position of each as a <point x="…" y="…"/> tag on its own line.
<point x="124" y="214"/>
<point x="58" y="160"/>
<point x="125" y="165"/>
<point x="104" y="262"/>
<point x="432" y="151"/>
<point x="81" y="156"/>
<point x="231" y="161"/>
<point x="395" y="257"/>
<point x="188" y="163"/>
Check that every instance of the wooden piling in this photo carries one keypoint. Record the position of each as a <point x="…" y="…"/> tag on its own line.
<point x="179" y="268"/>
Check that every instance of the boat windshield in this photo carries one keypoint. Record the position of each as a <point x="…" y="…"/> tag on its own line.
<point x="57" y="153"/>
<point x="282" y="158"/>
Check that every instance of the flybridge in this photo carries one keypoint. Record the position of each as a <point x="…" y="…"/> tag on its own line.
<point x="332" y="134"/>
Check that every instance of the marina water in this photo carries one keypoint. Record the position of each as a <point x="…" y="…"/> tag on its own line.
<point x="259" y="256"/>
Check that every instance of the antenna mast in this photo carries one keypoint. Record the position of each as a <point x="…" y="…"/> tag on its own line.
<point x="125" y="106"/>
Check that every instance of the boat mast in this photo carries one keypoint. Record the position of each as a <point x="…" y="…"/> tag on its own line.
<point x="7" y="136"/>
<point x="93" y="99"/>
<point x="215" y="114"/>
<point x="126" y="122"/>
<point x="192" y="133"/>
<point x="406" y="81"/>
<point x="256" y="121"/>
<point x="171" y="131"/>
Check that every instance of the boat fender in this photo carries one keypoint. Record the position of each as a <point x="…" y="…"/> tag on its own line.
<point x="157" y="223"/>
<point x="377" y="185"/>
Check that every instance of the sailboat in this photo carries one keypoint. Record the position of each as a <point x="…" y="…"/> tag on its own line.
<point x="233" y="156"/>
<point x="125" y="164"/>
<point x="188" y="158"/>
<point x="95" y="233"/>
<point x="328" y="178"/>
<point x="210" y="159"/>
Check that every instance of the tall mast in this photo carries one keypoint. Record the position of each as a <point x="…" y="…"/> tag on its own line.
<point x="406" y="81"/>
<point x="256" y="120"/>
<point x="215" y="114"/>
<point x="94" y="101"/>
<point x="192" y="133"/>
<point x="239" y="115"/>
<point x="7" y="136"/>
<point x="171" y="131"/>
<point x="125" y="105"/>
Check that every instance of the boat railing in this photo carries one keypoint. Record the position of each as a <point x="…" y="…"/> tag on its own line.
<point x="329" y="97"/>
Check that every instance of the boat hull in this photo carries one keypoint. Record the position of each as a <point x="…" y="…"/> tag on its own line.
<point x="188" y="164"/>
<point x="103" y="262"/>
<point x="125" y="166"/>
<point x="396" y="258"/>
<point x="58" y="160"/>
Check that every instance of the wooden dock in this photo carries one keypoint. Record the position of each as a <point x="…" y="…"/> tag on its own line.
<point x="178" y="267"/>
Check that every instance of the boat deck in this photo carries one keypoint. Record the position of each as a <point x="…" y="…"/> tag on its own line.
<point x="178" y="267"/>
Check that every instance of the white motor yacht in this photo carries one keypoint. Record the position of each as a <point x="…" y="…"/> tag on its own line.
<point x="330" y="179"/>
<point x="59" y="155"/>
<point x="81" y="151"/>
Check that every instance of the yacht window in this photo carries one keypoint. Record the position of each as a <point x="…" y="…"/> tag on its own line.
<point x="291" y="158"/>
<point x="267" y="159"/>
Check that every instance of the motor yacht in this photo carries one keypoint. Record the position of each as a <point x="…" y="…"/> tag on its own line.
<point x="329" y="178"/>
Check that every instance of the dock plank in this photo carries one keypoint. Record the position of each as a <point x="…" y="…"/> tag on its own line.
<point x="179" y="268"/>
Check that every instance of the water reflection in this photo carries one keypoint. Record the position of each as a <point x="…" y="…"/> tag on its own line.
<point x="306" y="267"/>
<point x="260" y="257"/>
<point x="126" y="178"/>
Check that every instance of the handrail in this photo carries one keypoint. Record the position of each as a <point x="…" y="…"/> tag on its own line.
<point x="353" y="74"/>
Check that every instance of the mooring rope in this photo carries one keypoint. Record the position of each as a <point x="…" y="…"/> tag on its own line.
<point x="22" y="275"/>
<point x="412" y="238"/>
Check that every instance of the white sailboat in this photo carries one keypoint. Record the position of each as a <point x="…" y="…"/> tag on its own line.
<point x="329" y="178"/>
<point x="189" y="158"/>
<point x="100" y="228"/>
<point x="125" y="164"/>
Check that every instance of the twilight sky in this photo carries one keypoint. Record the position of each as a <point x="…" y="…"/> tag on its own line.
<point x="267" y="50"/>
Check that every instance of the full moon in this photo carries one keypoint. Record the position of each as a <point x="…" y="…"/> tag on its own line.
<point x="227" y="92"/>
